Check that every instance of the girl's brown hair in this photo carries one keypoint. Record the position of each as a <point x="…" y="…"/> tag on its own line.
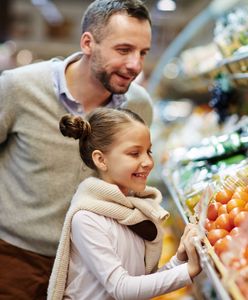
<point x="97" y="131"/>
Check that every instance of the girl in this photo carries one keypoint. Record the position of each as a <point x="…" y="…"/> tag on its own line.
<point x="112" y="238"/>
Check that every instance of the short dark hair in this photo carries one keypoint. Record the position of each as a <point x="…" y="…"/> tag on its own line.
<point x="98" y="130"/>
<point x="98" y="13"/>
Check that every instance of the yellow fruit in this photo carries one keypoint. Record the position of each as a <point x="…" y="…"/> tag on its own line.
<point x="192" y="201"/>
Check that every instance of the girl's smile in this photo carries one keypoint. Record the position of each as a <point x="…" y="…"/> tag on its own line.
<point x="129" y="162"/>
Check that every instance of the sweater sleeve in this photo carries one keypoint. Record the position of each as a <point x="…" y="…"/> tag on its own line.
<point x="139" y="101"/>
<point x="97" y="250"/>
<point x="7" y="108"/>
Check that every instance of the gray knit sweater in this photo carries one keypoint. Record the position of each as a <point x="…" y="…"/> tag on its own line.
<point x="39" y="168"/>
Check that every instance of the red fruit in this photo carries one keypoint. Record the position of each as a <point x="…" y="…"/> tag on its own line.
<point x="235" y="202"/>
<point x="245" y="253"/>
<point x="209" y="225"/>
<point x="223" y="222"/>
<point x="215" y="234"/>
<point x="235" y="232"/>
<point x="222" y="245"/>
<point x="241" y="194"/>
<point x="241" y="218"/>
<point x="233" y="213"/>
<point x="223" y="195"/>
<point x="222" y="209"/>
<point x="212" y="212"/>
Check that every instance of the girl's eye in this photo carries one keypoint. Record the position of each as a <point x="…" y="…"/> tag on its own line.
<point x="149" y="152"/>
<point x="134" y="154"/>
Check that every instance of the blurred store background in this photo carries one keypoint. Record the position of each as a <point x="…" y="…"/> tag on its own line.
<point x="32" y="30"/>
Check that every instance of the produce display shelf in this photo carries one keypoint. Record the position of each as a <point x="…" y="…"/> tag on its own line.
<point x="235" y="68"/>
<point x="239" y="76"/>
<point x="234" y="59"/>
<point x="207" y="262"/>
<point x="236" y="65"/>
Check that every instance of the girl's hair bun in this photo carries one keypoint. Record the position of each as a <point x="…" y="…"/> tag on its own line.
<point x="74" y="126"/>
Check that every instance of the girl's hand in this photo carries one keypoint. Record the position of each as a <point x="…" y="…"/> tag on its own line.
<point x="181" y="252"/>
<point x="187" y="251"/>
<point x="194" y="267"/>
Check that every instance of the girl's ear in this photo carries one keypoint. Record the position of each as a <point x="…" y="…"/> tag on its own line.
<point x="99" y="160"/>
<point x="86" y="43"/>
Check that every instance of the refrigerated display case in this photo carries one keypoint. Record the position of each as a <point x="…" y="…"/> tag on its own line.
<point x="192" y="157"/>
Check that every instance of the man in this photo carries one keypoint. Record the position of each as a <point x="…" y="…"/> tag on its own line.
<point x="37" y="183"/>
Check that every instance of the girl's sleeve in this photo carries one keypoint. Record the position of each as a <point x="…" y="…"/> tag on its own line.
<point x="172" y="263"/>
<point x="90" y="236"/>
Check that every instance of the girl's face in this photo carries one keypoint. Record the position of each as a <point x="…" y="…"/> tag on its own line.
<point x="129" y="161"/>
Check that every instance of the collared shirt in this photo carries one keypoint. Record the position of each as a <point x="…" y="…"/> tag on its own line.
<point x="64" y="95"/>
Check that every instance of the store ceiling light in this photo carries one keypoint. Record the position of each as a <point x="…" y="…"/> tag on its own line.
<point x="166" y="5"/>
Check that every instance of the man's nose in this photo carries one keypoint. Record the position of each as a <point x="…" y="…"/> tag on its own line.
<point x="135" y="63"/>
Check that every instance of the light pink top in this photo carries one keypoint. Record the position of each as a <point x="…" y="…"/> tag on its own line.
<point x="107" y="262"/>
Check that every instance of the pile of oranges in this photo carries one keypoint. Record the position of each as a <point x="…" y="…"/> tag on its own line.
<point x="226" y="229"/>
<point x="227" y="216"/>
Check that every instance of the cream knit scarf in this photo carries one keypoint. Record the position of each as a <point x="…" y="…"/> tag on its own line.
<point x="106" y="199"/>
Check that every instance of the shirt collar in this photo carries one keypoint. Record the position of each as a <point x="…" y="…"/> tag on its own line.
<point x="64" y="94"/>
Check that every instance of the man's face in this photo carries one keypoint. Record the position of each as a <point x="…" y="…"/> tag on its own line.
<point x="119" y="57"/>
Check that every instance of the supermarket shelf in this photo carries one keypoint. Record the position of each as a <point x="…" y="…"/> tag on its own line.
<point x="174" y="197"/>
<point x="234" y="59"/>
<point x="206" y="262"/>
<point x="232" y="65"/>
<point x="235" y="68"/>
<point x="239" y="76"/>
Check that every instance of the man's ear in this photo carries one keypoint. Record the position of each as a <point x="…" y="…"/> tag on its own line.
<point x="86" y="43"/>
<point x="99" y="160"/>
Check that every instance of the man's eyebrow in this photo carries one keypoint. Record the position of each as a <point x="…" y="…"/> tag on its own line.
<point x="130" y="45"/>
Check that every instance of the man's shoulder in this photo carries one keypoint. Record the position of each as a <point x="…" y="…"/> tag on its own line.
<point x="34" y="73"/>
<point x="29" y="69"/>
<point x="137" y="91"/>
<point x="139" y="101"/>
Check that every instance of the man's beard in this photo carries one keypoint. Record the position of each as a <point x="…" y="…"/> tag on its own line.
<point x="105" y="78"/>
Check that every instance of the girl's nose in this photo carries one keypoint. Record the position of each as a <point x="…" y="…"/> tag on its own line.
<point x="147" y="162"/>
